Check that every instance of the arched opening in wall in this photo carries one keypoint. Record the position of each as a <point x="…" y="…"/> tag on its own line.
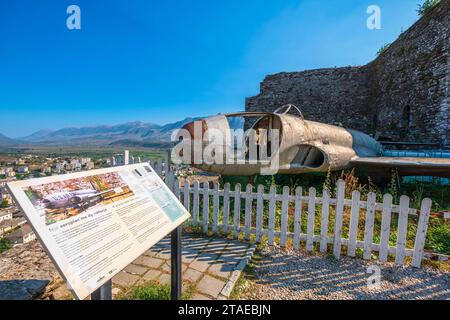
<point x="406" y="117"/>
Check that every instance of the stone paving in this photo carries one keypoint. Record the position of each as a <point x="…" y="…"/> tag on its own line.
<point x="210" y="267"/>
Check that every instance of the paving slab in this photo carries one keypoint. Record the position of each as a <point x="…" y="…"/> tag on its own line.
<point x="215" y="246"/>
<point x="189" y="255"/>
<point x="232" y="258"/>
<point x="192" y="275"/>
<point x="199" y="265"/>
<point x="211" y="286"/>
<point x="134" y="269"/>
<point x="149" y="262"/>
<point x="197" y="244"/>
<point x="210" y="266"/>
<point x="164" y="254"/>
<point x="199" y="296"/>
<point x="124" y="279"/>
<point x="221" y="269"/>
<point x="164" y="278"/>
<point x="166" y="267"/>
<point x="151" y="275"/>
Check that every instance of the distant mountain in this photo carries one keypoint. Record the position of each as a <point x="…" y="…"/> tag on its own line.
<point x="132" y="133"/>
<point x="37" y="135"/>
<point x="6" y="141"/>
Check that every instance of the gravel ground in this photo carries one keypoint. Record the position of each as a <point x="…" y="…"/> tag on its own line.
<point x="284" y="274"/>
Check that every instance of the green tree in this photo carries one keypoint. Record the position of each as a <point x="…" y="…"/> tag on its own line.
<point x="5" y="244"/>
<point x="4" y="204"/>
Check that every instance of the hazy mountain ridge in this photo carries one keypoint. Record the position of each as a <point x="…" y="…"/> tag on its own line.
<point x="6" y="141"/>
<point x="132" y="133"/>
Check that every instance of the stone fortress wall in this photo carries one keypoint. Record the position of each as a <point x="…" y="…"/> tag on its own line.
<point x="402" y="95"/>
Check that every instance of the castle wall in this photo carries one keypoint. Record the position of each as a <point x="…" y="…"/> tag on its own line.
<point x="402" y="95"/>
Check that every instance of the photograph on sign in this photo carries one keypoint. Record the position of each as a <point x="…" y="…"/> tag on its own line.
<point x="64" y="199"/>
<point x="93" y="224"/>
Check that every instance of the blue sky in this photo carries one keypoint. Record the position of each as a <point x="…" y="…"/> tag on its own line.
<point x="161" y="61"/>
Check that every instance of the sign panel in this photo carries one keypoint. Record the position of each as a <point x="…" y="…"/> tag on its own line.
<point x="93" y="224"/>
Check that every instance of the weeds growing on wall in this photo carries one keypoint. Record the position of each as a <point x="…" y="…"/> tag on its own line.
<point x="427" y="6"/>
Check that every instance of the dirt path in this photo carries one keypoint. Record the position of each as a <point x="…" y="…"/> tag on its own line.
<point x="283" y="274"/>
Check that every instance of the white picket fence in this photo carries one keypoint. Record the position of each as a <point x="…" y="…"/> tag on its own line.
<point x="211" y="209"/>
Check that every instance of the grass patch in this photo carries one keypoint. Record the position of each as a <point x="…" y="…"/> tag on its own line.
<point x="153" y="291"/>
<point x="248" y="275"/>
<point x="438" y="238"/>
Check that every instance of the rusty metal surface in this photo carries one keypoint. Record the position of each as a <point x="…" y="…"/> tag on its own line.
<point x="308" y="146"/>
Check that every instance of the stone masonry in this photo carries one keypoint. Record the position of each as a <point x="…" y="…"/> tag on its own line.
<point x="211" y="267"/>
<point x="402" y="95"/>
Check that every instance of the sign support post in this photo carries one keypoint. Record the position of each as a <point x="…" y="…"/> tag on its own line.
<point x="103" y="293"/>
<point x="176" y="264"/>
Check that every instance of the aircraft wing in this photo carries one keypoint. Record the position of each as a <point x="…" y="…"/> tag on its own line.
<point x="407" y="166"/>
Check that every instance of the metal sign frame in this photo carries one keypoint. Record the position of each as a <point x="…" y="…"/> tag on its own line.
<point x="105" y="291"/>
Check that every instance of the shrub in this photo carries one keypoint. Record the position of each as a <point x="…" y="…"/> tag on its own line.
<point x="383" y="48"/>
<point x="5" y="244"/>
<point x="4" y="204"/>
<point x="438" y="239"/>
<point x="153" y="291"/>
<point x="427" y="6"/>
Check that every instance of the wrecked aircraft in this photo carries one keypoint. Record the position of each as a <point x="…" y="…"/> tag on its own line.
<point x="302" y="146"/>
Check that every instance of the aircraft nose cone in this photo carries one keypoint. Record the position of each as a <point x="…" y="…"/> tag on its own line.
<point x="196" y="129"/>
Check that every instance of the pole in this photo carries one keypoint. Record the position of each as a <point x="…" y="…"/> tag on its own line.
<point x="176" y="264"/>
<point x="104" y="292"/>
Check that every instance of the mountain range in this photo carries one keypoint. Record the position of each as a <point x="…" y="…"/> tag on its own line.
<point x="4" y="140"/>
<point x="128" y="134"/>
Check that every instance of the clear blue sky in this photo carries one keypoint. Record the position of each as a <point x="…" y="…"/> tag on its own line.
<point x="163" y="60"/>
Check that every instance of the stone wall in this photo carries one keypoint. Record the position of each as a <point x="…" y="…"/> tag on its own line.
<point x="26" y="272"/>
<point x="401" y="95"/>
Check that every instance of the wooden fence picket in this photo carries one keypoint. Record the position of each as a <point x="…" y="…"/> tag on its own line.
<point x="310" y="222"/>
<point x="324" y="221"/>
<point x="216" y="208"/>
<point x="248" y="211"/>
<point x="368" y="228"/>
<point x="205" y="207"/>
<point x="354" y="222"/>
<point x="272" y="209"/>
<point x="237" y="210"/>
<point x="259" y="213"/>
<point x="170" y="179"/>
<point x="340" y="195"/>
<point x="254" y="217"/>
<point x="385" y="227"/>
<point x="422" y="228"/>
<point x="187" y="195"/>
<point x="158" y="168"/>
<point x="297" y="217"/>
<point x="176" y="189"/>
<point x="284" y="216"/>
<point x="226" y="208"/>
<point x="196" y="204"/>
<point x="402" y="230"/>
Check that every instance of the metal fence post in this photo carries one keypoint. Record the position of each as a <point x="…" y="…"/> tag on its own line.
<point x="176" y="264"/>
<point x="103" y="293"/>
